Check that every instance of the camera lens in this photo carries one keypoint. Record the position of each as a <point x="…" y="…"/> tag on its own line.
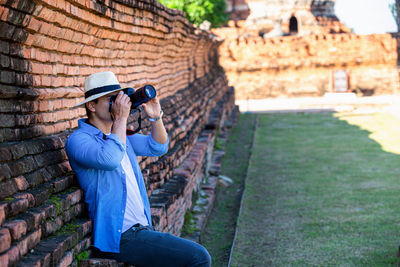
<point x="138" y="97"/>
<point x="142" y="95"/>
<point x="149" y="91"/>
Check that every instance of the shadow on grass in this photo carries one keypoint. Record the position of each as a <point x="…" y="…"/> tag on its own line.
<point x="220" y="230"/>
<point x="319" y="191"/>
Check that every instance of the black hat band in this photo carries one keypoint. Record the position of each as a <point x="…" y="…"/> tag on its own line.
<point x="102" y="89"/>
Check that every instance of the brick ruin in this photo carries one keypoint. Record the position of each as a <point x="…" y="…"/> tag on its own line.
<point x="294" y="66"/>
<point x="300" y="48"/>
<point x="47" y="49"/>
<point x="288" y="17"/>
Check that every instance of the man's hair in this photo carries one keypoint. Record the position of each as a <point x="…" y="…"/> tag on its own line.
<point x="88" y="112"/>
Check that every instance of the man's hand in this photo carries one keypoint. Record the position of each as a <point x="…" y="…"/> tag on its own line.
<point x="121" y="107"/>
<point x="120" y="113"/>
<point x="152" y="108"/>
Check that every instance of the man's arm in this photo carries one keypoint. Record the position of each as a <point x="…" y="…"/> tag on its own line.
<point x="153" y="110"/>
<point x="158" y="132"/>
<point x="89" y="153"/>
<point x="155" y="144"/>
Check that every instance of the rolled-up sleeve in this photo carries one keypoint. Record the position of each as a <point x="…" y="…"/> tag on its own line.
<point x="99" y="154"/>
<point x="145" y="145"/>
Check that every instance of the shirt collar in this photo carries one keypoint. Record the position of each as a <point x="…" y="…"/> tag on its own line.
<point x="88" y="128"/>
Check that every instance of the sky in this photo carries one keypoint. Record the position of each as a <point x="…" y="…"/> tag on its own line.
<point x="366" y="16"/>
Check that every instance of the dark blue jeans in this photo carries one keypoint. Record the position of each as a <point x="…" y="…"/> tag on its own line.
<point x="142" y="246"/>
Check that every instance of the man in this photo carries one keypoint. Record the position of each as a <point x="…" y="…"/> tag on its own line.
<point x="104" y="159"/>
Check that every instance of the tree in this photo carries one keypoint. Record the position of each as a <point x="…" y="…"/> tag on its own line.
<point x="198" y="11"/>
<point x="395" y="8"/>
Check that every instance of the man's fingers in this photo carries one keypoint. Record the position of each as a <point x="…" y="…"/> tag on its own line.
<point x="122" y="98"/>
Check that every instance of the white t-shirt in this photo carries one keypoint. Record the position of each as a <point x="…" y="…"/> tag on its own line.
<point x="134" y="211"/>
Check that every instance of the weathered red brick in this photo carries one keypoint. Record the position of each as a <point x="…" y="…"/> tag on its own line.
<point x="45" y="81"/>
<point x="34" y="178"/>
<point x="4" y="61"/>
<point x="21" y="183"/>
<point x="27" y="196"/>
<point x="29" y="242"/>
<point x="66" y="260"/>
<point x="36" y="146"/>
<point x="4" y="260"/>
<point x="8" y="188"/>
<point x="189" y="165"/>
<point x="57" y="246"/>
<point x="36" y="259"/>
<point x="5" y="239"/>
<point x="48" y="158"/>
<point x="182" y="172"/>
<point x="23" y="79"/>
<point x="5" y="47"/>
<point x="5" y="172"/>
<point x="42" y="193"/>
<point x="6" y="30"/>
<point x="18" y="150"/>
<point x="75" y="196"/>
<point x="63" y="183"/>
<point x="3" y="207"/>
<point x="7" y="77"/>
<point x="13" y="255"/>
<point x="51" y="226"/>
<point x="17" y="228"/>
<point x="37" y="67"/>
<point x="38" y="216"/>
<point x="24" y="165"/>
<point x="17" y="206"/>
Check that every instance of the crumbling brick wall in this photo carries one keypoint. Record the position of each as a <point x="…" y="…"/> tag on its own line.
<point x="305" y="66"/>
<point x="47" y="49"/>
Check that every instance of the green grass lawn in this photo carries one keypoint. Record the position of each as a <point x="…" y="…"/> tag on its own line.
<point x="322" y="190"/>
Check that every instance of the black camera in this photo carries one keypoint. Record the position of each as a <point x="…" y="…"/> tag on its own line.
<point x="138" y="97"/>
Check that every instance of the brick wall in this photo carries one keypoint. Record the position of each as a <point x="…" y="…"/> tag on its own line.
<point x="47" y="49"/>
<point x="299" y="66"/>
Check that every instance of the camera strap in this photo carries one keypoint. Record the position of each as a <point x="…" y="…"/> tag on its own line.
<point x="139" y="121"/>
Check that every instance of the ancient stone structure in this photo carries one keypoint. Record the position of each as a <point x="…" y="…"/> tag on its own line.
<point x="289" y="17"/>
<point x="299" y="48"/>
<point x="311" y="65"/>
<point x="47" y="48"/>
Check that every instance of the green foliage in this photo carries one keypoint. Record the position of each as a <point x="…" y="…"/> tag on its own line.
<point x="81" y="256"/>
<point x="198" y="11"/>
<point x="56" y="201"/>
<point x="189" y="226"/>
<point x="219" y="144"/>
<point x="392" y="8"/>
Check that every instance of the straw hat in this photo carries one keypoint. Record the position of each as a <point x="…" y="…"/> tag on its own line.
<point x="100" y="84"/>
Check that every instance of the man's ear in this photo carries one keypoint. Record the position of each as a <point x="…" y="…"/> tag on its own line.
<point x="90" y="106"/>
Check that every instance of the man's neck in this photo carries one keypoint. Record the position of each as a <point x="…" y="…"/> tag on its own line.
<point x="102" y="126"/>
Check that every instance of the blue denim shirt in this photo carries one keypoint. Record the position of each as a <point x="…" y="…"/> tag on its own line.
<point x="96" y="160"/>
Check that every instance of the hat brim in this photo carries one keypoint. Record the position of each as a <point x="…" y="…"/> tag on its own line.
<point x="93" y="97"/>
